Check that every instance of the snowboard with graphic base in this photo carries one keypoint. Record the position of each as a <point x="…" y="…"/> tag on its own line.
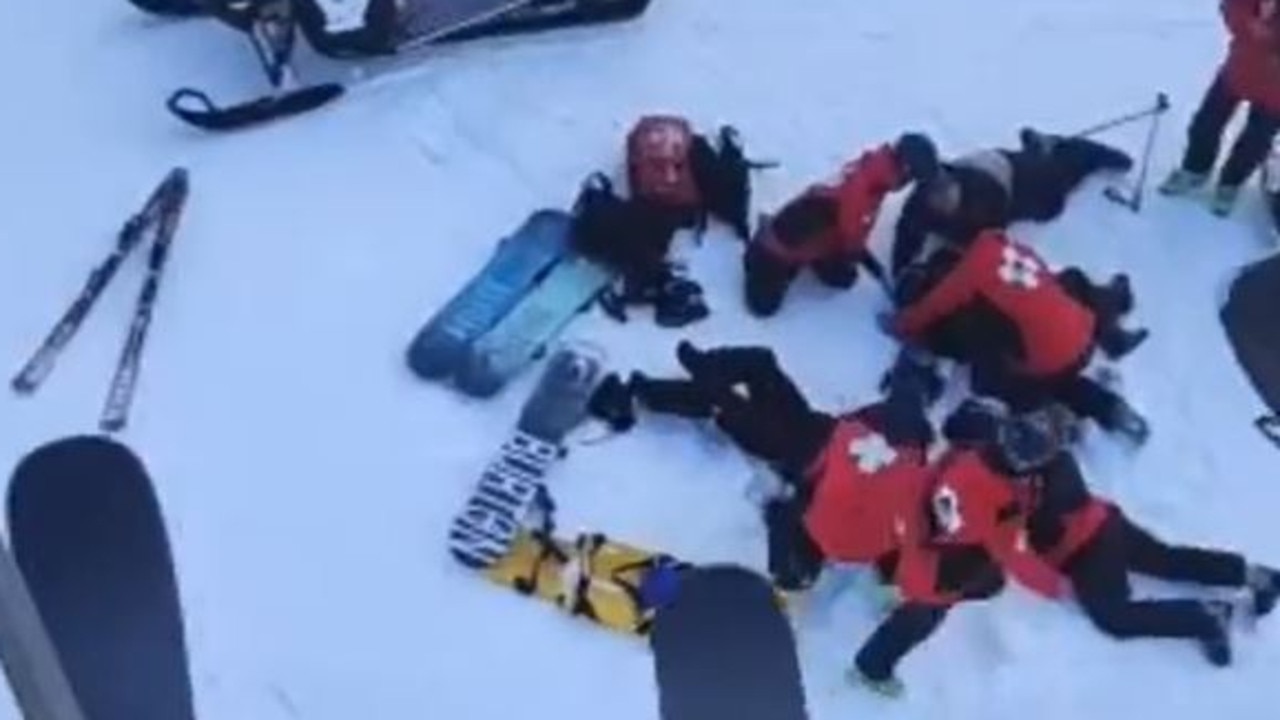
<point x="724" y="650"/>
<point x="89" y="538"/>
<point x="510" y="495"/>
<point x="570" y="288"/>
<point x="359" y="29"/>
<point x="520" y="260"/>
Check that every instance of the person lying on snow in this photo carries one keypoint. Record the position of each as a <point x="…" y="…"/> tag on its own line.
<point x="1026" y="333"/>
<point x="859" y="490"/>
<point x="995" y="188"/>
<point x="1097" y="545"/>
<point x="1251" y="74"/>
<point x="826" y="228"/>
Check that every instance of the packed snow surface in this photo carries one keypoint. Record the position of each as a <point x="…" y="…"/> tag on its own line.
<point x="308" y="479"/>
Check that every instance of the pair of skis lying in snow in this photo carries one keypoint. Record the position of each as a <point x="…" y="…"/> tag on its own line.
<point x="159" y="217"/>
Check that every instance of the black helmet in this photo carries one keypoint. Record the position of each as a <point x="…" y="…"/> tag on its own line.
<point x="1030" y="440"/>
<point x="918" y="157"/>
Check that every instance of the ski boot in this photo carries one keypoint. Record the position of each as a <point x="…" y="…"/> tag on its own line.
<point x="1217" y="644"/>
<point x="1116" y="342"/>
<point x="1118" y="294"/>
<point x="890" y="687"/>
<point x="1129" y="423"/>
<point x="1182" y="182"/>
<point x="1264" y="587"/>
<point x="1224" y="200"/>
<point x="613" y="402"/>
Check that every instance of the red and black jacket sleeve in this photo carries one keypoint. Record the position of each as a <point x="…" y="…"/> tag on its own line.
<point x="957" y="288"/>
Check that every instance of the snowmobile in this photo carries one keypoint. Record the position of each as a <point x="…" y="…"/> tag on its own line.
<point x="354" y="30"/>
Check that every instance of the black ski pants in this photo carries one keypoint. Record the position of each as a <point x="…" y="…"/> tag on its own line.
<point x="1204" y="136"/>
<point x="766" y="277"/>
<point x="967" y="570"/>
<point x="1084" y="396"/>
<point x="1099" y="575"/>
<point x="751" y="400"/>
<point x="1045" y="177"/>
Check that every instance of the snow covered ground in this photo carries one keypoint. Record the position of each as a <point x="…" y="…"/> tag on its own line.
<point x="308" y="479"/>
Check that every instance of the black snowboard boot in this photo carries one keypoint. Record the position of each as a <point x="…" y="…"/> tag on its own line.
<point x="1117" y="342"/>
<point x="1264" y="584"/>
<point x="913" y="373"/>
<point x="1118" y="295"/>
<point x="1128" y="422"/>
<point x="613" y="402"/>
<point x="1216" y="645"/>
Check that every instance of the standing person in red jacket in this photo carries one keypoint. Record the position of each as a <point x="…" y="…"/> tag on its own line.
<point x="1027" y="333"/>
<point x="1097" y="545"/>
<point x="1251" y="74"/>
<point x="826" y="228"/>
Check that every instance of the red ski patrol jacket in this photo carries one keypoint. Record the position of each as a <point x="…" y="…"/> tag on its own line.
<point x="867" y="494"/>
<point x="1252" y="67"/>
<point x="863" y="186"/>
<point x="1009" y="278"/>
<point x="971" y="503"/>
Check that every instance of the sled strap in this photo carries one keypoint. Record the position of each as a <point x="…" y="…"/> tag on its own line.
<point x="547" y="550"/>
<point x="197" y="109"/>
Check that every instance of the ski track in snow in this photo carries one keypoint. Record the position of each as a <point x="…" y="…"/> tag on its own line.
<point x="308" y="479"/>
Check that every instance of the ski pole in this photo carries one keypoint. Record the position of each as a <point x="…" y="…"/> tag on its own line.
<point x="1134" y="202"/>
<point x="1161" y="105"/>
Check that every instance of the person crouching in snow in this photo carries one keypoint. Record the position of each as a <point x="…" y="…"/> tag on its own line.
<point x="1027" y="334"/>
<point x="973" y="532"/>
<point x="826" y="228"/>
<point x="1251" y="74"/>
<point x="991" y="189"/>
<point x="1097" y="546"/>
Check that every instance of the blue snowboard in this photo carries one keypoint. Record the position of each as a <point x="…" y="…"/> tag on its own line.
<point x="539" y="318"/>
<point x="519" y="262"/>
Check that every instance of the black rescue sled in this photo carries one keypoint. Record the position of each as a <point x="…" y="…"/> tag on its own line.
<point x="359" y="29"/>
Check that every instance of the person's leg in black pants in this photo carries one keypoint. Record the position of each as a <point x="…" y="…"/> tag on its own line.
<point x="1204" y="135"/>
<point x="1153" y="557"/>
<point x="967" y="572"/>
<point x="1250" y="148"/>
<point x="771" y="420"/>
<point x="765" y="280"/>
<point x="1100" y="578"/>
